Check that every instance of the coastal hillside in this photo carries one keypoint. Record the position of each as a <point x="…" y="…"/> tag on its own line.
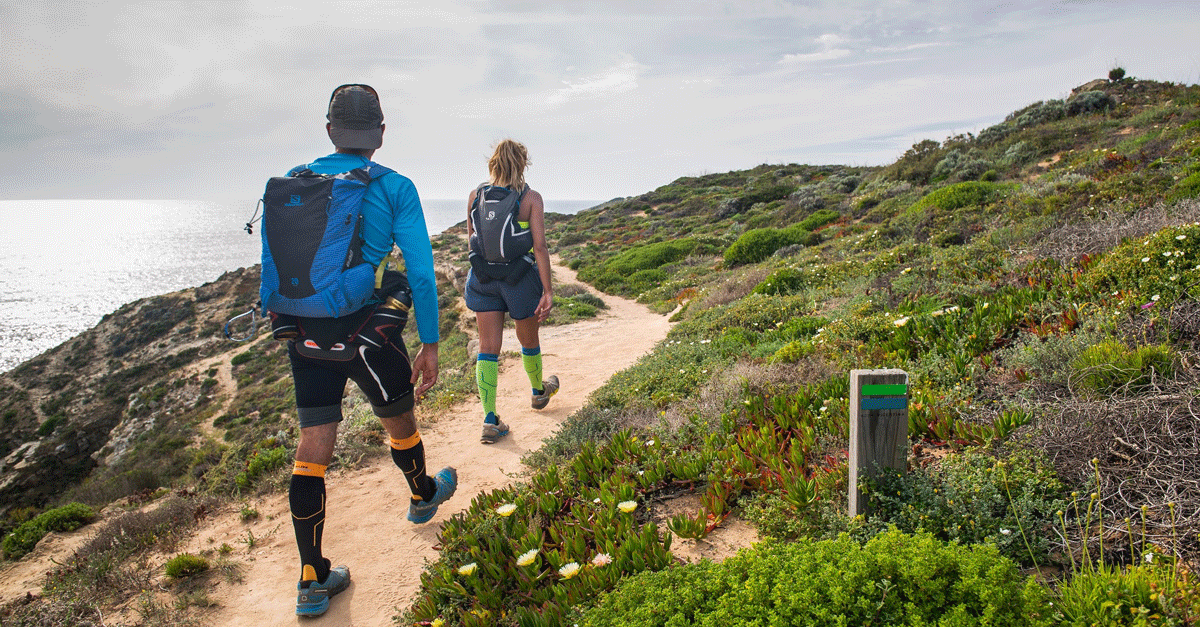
<point x="1037" y="282"/>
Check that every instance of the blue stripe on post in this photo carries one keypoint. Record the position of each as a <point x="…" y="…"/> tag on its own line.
<point x="884" y="403"/>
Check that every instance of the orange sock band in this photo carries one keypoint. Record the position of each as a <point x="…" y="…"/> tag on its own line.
<point x="406" y="443"/>
<point x="309" y="470"/>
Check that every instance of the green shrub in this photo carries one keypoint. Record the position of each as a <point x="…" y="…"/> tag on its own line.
<point x="1116" y="74"/>
<point x="1109" y="366"/>
<point x="69" y="517"/>
<point x="894" y="579"/>
<point x="1040" y="113"/>
<point x="817" y="220"/>
<point x="1155" y="269"/>
<point x="756" y="245"/>
<point x="965" y="194"/>
<point x="1089" y="102"/>
<point x="974" y="498"/>
<point x="261" y="462"/>
<point x="1186" y="188"/>
<point x="185" y="565"/>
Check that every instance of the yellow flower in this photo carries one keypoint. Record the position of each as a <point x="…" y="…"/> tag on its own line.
<point x="467" y="569"/>
<point x="527" y="557"/>
<point x="570" y="569"/>
<point x="627" y="506"/>
<point x="438" y="622"/>
<point x="506" y="510"/>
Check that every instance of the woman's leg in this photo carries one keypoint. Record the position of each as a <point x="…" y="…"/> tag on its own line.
<point x="531" y="351"/>
<point x="491" y="338"/>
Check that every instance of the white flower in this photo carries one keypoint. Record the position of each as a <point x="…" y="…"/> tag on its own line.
<point x="627" y="506"/>
<point x="901" y="321"/>
<point x="1181" y="237"/>
<point x="596" y="500"/>
<point x="1145" y="259"/>
<point x="467" y="569"/>
<point x="1005" y="532"/>
<point x="507" y="509"/>
<point x="570" y="569"/>
<point x="649" y="442"/>
<point x="601" y="559"/>
<point x="1167" y="254"/>
<point x="1155" y="297"/>
<point x="1149" y="557"/>
<point x="527" y="557"/>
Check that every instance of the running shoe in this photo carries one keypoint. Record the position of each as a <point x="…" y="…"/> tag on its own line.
<point x="493" y="432"/>
<point x="447" y="482"/>
<point x="549" y="388"/>
<point x="312" y="598"/>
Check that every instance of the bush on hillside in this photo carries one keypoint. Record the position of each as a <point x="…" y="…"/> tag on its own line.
<point x="959" y="195"/>
<point x="1110" y="366"/>
<point x="894" y="579"/>
<point x="1187" y="188"/>
<point x="973" y="498"/>
<point x="1090" y="102"/>
<point x="69" y="517"/>
<point x="756" y="245"/>
<point x="1041" y="113"/>
<point x="1152" y="271"/>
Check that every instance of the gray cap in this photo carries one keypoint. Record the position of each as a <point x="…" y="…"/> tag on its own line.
<point x="355" y="117"/>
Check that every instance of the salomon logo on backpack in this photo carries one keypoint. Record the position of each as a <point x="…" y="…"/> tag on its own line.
<point x="499" y="246"/>
<point x="312" y="263"/>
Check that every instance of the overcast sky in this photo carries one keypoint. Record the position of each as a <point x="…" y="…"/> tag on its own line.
<point x="613" y="98"/>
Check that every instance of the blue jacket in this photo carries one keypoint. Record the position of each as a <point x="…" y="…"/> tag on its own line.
<point x="392" y="214"/>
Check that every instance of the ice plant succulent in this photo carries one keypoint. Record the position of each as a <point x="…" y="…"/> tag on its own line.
<point x="467" y="569"/>
<point x="568" y="570"/>
<point x="507" y="509"/>
<point x="527" y="557"/>
<point x="627" y="506"/>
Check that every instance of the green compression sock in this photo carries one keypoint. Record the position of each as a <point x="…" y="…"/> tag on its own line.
<point x="531" y="358"/>
<point x="487" y="372"/>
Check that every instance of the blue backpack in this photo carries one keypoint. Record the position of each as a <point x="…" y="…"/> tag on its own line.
<point x="312" y="263"/>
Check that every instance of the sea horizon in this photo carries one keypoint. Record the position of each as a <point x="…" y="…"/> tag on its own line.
<point x="65" y="263"/>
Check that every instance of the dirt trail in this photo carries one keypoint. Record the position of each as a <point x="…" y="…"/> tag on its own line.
<point x="366" y="527"/>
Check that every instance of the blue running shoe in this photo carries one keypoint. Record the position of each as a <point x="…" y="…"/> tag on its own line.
<point x="312" y="598"/>
<point x="447" y="482"/>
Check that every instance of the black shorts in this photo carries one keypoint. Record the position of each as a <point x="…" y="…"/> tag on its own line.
<point x="520" y="300"/>
<point x="384" y="375"/>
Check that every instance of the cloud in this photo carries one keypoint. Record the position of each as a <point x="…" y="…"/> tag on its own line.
<point x="830" y="49"/>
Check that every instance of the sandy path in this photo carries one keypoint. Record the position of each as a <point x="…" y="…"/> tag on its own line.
<point x="366" y="529"/>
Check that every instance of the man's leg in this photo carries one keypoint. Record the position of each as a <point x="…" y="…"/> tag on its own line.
<point x="408" y="453"/>
<point x="306" y="496"/>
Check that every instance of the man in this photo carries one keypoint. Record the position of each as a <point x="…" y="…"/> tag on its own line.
<point x="391" y="213"/>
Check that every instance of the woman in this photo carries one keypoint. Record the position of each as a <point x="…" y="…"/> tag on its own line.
<point x="505" y="223"/>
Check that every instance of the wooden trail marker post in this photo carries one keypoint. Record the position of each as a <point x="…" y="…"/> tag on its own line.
<point x="878" y="427"/>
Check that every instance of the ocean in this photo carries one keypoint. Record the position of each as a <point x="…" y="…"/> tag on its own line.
<point x="64" y="264"/>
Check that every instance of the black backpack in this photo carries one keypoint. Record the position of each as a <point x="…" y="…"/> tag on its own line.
<point x="499" y="246"/>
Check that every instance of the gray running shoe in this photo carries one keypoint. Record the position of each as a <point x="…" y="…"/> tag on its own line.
<point x="312" y="598"/>
<point x="549" y="388"/>
<point x="492" y="433"/>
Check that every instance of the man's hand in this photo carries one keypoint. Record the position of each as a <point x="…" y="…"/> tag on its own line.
<point x="545" y="304"/>
<point x="425" y="368"/>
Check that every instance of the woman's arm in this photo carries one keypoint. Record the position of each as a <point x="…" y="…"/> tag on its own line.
<point x="537" y="224"/>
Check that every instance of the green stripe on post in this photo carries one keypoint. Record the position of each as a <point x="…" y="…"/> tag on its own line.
<point x="894" y="389"/>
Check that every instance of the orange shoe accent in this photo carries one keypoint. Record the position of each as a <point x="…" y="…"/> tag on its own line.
<point x="310" y="573"/>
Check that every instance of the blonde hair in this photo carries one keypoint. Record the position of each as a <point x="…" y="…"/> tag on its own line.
<point x="507" y="165"/>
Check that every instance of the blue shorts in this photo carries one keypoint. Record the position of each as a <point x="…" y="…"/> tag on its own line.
<point x="520" y="300"/>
